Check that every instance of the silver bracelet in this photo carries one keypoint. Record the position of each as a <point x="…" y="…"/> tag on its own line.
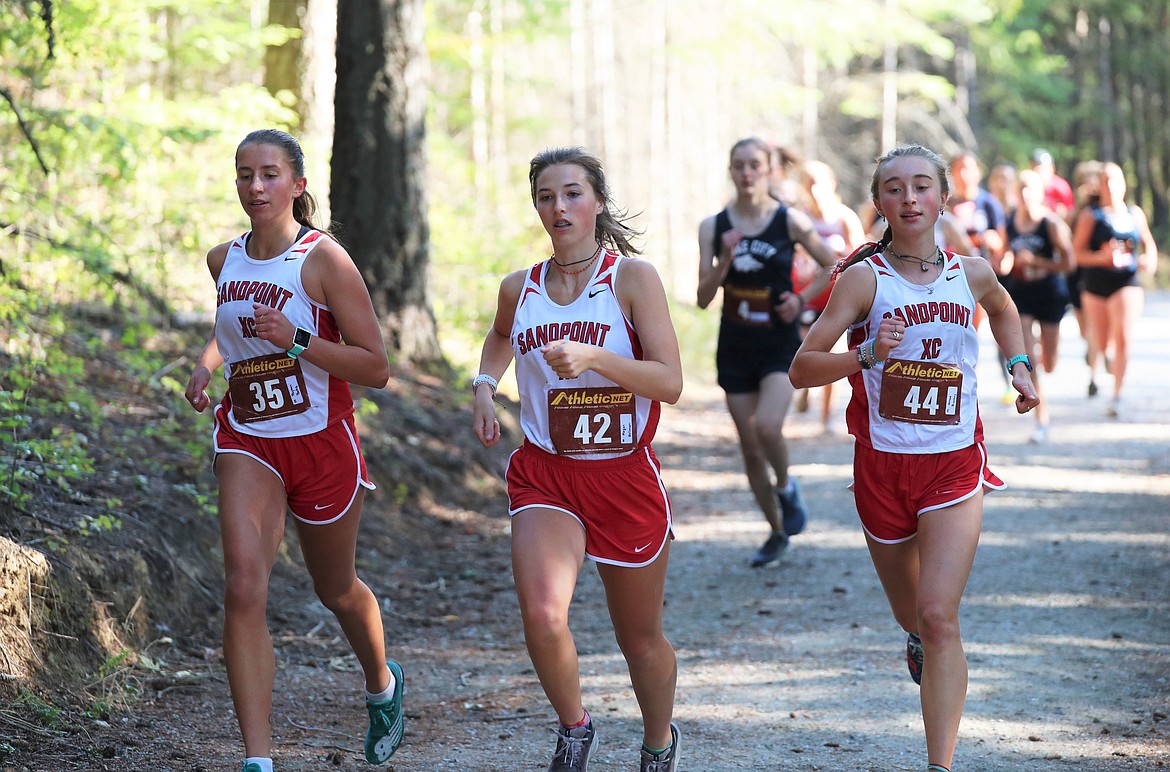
<point x="483" y="378"/>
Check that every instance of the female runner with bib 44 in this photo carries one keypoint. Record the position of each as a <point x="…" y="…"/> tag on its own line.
<point x="287" y="297"/>
<point x="596" y="354"/>
<point x="920" y="467"/>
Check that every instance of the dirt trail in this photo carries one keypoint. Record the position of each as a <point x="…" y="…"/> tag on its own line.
<point x="798" y="667"/>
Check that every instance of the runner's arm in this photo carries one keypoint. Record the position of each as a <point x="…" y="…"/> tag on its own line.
<point x="361" y="356"/>
<point x="801" y="231"/>
<point x="209" y="359"/>
<point x="658" y="374"/>
<point x="495" y="357"/>
<point x="1004" y="320"/>
<point x="815" y="363"/>
<point x="713" y="268"/>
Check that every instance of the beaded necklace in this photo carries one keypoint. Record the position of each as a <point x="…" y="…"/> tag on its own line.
<point x="588" y="261"/>
<point x="923" y="262"/>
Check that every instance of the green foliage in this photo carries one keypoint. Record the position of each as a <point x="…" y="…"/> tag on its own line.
<point x="129" y="117"/>
<point x="480" y="230"/>
<point x="205" y="501"/>
<point x="1024" y="81"/>
<point x="41" y="388"/>
<point x="698" y="331"/>
<point x="45" y="713"/>
<point x="117" y="682"/>
<point x="89" y="525"/>
<point x="401" y="493"/>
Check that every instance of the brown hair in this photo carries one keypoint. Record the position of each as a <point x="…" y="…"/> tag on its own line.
<point x="611" y="227"/>
<point x="903" y="151"/>
<point x="304" y="205"/>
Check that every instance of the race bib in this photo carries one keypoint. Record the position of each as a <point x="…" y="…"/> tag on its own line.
<point x="1124" y="259"/>
<point x="920" y="392"/>
<point x="267" y="387"/>
<point x="583" y="421"/>
<point x="748" y="305"/>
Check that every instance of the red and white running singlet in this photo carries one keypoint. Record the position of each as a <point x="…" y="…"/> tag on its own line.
<point x="587" y="417"/>
<point x="922" y="399"/>
<point x="271" y="394"/>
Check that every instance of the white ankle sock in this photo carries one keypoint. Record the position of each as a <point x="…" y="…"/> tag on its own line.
<point x="264" y="762"/>
<point x="385" y="694"/>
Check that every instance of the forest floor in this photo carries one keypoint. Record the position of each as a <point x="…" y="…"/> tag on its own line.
<point x="800" y="666"/>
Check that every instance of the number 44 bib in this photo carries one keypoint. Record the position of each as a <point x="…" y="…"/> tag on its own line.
<point x="591" y="420"/>
<point x="920" y="392"/>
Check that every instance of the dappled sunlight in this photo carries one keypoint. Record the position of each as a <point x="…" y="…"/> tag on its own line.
<point x="1078" y="433"/>
<point x="1059" y="600"/>
<point x="1037" y="734"/>
<point x="1050" y="478"/>
<point x="1042" y="645"/>
<point x="734" y="479"/>
<point x="698" y="480"/>
<point x="991" y="538"/>
<point x="733" y="532"/>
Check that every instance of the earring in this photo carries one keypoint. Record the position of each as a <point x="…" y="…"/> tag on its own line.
<point x="941" y="210"/>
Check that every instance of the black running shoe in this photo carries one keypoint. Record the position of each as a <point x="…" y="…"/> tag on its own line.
<point x="770" y="551"/>
<point x="793" y="512"/>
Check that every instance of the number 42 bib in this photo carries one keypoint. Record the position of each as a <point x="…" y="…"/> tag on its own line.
<point x="583" y="421"/>
<point x="920" y="392"/>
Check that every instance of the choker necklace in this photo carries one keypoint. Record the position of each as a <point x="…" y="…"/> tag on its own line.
<point x="561" y="266"/>
<point x="923" y="262"/>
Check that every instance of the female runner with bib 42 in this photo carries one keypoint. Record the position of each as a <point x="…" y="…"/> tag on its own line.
<point x="920" y="467"/>
<point x="596" y="354"/>
<point x="284" y="437"/>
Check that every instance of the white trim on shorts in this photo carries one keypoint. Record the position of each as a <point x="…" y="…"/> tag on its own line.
<point x="983" y="483"/>
<point x="352" y="444"/>
<point x="665" y="498"/>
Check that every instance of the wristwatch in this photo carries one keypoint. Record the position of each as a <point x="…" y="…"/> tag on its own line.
<point x="301" y="338"/>
<point x="1017" y="359"/>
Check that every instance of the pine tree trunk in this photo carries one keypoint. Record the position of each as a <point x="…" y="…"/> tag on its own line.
<point x="379" y="165"/>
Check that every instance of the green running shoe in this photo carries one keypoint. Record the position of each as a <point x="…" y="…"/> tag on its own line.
<point x="386" y="721"/>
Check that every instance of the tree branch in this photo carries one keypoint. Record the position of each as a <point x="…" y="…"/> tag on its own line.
<point x="98" y="267"/>
<point x="32" y="142"/>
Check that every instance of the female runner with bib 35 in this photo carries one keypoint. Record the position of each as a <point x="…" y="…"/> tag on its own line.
<point x="294" y="326"/>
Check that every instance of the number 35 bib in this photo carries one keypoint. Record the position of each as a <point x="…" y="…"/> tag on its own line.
<point x="591" y="420"/>
<point x="920" y="392"/>
<point x="267" y="387"/>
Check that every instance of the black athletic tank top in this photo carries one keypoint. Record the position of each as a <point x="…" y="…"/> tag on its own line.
<point x="761" y="270"/>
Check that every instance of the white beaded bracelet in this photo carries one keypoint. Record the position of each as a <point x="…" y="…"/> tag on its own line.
<point x="483" y="378"/>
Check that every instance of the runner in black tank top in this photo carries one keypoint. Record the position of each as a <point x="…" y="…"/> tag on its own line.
<point x="747" y="250"/>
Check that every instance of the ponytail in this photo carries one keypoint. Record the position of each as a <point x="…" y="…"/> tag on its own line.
<point x="868" y="249"/>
